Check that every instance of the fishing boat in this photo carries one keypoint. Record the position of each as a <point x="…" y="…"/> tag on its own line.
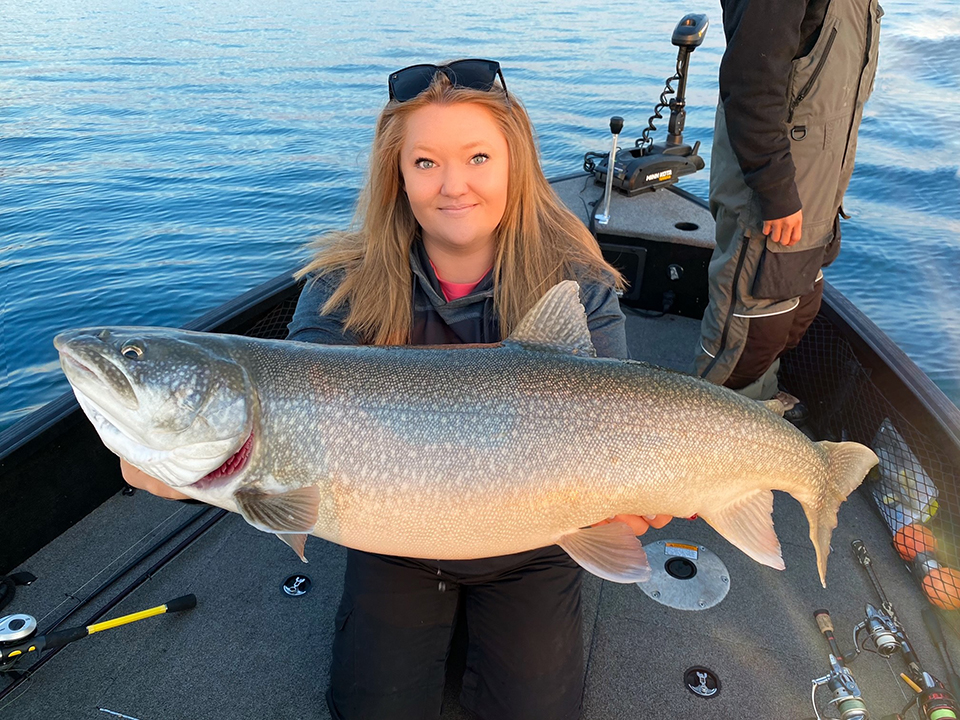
<point x="714" y="635"/>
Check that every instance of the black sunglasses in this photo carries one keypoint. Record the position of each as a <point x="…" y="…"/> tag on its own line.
<point x="409" y="82"/>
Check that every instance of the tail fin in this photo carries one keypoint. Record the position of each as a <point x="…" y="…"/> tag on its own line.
<point x="847" y="465"/>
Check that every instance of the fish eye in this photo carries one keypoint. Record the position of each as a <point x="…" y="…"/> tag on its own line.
<point x="131" y="351"/>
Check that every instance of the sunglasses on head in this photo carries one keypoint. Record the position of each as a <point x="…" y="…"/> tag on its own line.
<point x="409" y="82"/>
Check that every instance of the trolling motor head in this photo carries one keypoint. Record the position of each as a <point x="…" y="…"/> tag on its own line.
<point x="648" y="166"/>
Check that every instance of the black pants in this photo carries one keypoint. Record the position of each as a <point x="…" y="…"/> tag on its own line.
<point x="768" y="338"/>
<point x="396" y="620"/>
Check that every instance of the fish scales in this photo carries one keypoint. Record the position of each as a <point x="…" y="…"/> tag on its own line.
<point x="460" y="453"/>
<point x="507" y="435"/>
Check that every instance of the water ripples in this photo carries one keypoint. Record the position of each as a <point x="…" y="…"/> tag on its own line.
<point x="161" y="158"/>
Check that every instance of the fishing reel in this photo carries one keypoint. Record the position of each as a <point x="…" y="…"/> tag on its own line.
<point x="648" y="166"/>
<point x="19" y="642"/>
<point x="879" y="629"/>
<point x="846" y="693"/>
<point x="933" y="701"/>
<point x="15" y="631"/>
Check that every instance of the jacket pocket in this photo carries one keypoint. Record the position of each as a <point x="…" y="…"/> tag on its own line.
<point x="781" y="276"/>
<point x="785" y="275"/>
<point x="813" y="65"/>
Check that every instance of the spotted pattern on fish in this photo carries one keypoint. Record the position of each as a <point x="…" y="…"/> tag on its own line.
<point x="459" y="452"/>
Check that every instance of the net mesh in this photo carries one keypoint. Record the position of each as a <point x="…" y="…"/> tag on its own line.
<point x="913" y="486"/>
<point x="273" y="325"/>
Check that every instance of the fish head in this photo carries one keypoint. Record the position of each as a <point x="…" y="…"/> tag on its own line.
<point x="171" y="402"/>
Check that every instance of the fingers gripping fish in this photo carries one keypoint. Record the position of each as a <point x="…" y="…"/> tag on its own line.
<point x="459" y="452"/>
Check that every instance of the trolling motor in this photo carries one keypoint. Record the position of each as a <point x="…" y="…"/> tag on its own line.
<point x="648" y="166"/>
<point x="18" y="641"/>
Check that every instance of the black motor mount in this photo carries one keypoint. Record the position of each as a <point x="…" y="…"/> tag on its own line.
<point x="648" y="166"/>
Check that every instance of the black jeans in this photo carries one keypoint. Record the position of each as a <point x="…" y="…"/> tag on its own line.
<point x="396" y="620"/>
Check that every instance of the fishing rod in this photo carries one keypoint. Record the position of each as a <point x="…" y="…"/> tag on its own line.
<point x="846" y="693"/>
<point x="127" y="568"/>
<point x="888" y="617"/>
<point x="933" y="700"/>
<point x="932" y="622"/>
<point x="186" y="542"/>
<point x="18" y="641"/>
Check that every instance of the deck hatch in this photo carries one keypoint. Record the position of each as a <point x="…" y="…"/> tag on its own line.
<point x="685" y="575"/>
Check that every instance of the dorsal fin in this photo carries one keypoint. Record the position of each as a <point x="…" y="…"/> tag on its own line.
<point x="557" y="322"/>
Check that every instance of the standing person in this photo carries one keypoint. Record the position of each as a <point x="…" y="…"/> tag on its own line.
<point x="793" y="81"/>
<point x="457" y="234"/>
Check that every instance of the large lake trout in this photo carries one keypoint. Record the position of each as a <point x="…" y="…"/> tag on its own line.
<point x="455" y="452"/>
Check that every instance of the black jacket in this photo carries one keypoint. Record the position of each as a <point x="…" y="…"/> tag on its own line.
<point x="763" y="39"/>
<point x="469" y="319"/>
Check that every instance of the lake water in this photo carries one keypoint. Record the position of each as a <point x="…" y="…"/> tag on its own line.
<point x="157" y="158"/>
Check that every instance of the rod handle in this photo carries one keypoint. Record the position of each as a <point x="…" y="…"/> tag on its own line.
<point x="823" y="620"/>
<point x="185" y="602"/>
<point x="62" y="637"/>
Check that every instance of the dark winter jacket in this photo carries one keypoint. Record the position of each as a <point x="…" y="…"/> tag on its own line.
<point x="469" y="319"/>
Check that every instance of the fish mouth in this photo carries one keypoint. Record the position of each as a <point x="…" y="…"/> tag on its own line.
<point x="232" y="466"/>
<point x="78" y="367"/>
<point x="86" y="360"/>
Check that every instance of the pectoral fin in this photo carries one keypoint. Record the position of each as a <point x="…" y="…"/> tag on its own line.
<point x="610" y="551"/>
<point x="747" y="523"/>
<point x="295" y="511"/>
<point x="295" y="540"/>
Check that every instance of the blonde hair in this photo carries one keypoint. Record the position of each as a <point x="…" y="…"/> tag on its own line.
<point x="539" y="242"/>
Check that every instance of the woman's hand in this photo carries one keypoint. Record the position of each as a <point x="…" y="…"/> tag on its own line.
<point x="638" y="523"/>
<point x="139" y="479"/>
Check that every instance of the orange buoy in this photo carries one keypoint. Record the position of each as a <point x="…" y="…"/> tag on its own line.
<point x="942" y="586"/>
<point x="913" y="539"/>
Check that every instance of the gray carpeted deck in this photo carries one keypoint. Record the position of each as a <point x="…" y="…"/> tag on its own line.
<point x="249" y="652"/>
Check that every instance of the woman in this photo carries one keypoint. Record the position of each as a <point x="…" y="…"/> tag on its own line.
<point x="457" y="234"/>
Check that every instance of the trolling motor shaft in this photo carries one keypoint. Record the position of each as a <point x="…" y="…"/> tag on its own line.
<point x="688" y="35"/>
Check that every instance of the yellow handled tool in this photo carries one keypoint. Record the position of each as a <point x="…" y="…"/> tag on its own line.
<point x="12" y="654"/>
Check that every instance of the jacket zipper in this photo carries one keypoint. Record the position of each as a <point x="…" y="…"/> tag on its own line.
<point x="866" y="61"/>
<point x="816" y="73"/>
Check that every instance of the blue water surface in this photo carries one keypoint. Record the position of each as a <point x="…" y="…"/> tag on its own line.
<point x="157" y="158"/>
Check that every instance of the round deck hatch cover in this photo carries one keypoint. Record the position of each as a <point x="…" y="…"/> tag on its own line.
<point x="296" y="585"/>
<point x="685" y="575"/>
<point x="702" y="682"/>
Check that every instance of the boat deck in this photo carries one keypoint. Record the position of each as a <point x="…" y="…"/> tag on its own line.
<point x="249" y="651"/>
